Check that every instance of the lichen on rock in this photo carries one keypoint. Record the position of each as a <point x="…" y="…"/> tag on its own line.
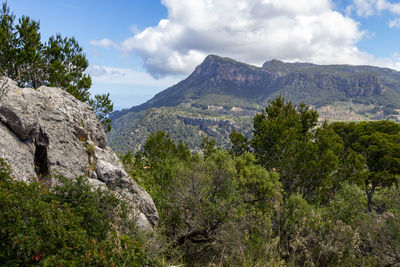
<point x="46" y="132"/>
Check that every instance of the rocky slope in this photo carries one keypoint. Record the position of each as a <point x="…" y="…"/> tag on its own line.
<point x="46" y="132"/>
<point x="224" y="89"/>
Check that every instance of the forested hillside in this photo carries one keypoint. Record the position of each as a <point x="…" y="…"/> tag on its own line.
<point x="292" y="195"/>
<point x="222" y="89"/>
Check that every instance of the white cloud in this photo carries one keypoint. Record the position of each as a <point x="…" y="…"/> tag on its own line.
<point x="395" y="23"/>
<point x="368" y="8"/>
<point x="363" y="7"/>
<point x="251" y="31"/>
<point x="134" y="28"/>
<point x="111" y="75"/>
<point x="106" y="43"/>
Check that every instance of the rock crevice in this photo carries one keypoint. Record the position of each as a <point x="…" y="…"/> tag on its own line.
<point x="46" y="132"/>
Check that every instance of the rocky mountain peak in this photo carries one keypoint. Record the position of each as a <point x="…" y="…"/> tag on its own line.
<point x="278" y="67"/>
<point x="273" y="62"/>
<point x="218" y="71"/>
<point x="46" y="132"/>
<point x="212" y="64"/>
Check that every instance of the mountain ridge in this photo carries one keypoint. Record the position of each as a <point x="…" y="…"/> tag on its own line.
<point x="219" y="87"/>
<point x="272" y="71"/>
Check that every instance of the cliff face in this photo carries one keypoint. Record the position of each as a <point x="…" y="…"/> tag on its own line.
<point x="47" y="132"/>
<point x="219" y="71"/>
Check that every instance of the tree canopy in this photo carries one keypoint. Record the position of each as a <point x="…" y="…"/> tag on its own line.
<point x="378" y="142"/>
<point x="59" y="62"/>
<point x="306" y="158"/>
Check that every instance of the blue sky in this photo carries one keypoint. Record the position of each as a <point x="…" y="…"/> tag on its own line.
<point x="137" y="48"/>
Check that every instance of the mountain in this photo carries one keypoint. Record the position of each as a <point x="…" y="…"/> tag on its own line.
<point x="223" y="94"/>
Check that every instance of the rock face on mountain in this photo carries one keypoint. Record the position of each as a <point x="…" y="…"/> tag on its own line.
<point x="222" y="90"/>
<point x="244" y="85"/>
<point x="46" y="132"/>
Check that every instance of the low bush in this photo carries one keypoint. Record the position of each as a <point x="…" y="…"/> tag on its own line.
<point x="72" y="225"/>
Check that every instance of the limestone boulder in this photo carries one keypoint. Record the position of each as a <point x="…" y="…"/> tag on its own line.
<point x="46" y="132"/>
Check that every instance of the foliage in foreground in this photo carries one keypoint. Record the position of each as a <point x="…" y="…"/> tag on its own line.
<point x="74" y="225"/>
<point x="307" y="203"/>
<point x="294" y="195"/>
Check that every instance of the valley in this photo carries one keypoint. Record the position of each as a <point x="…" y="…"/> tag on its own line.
<point x="223" y="94"/>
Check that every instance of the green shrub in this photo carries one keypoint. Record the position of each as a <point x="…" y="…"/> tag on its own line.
<point x="72" y="225"/>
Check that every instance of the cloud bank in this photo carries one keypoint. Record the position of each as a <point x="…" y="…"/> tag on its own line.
<point x="123" y="76"/>
<point x="251" y="31"/>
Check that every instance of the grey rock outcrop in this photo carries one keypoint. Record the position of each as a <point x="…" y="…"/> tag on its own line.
<point x="46" y="132"/>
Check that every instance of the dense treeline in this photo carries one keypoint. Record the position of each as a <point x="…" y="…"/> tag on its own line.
<point x="295" y="194"/>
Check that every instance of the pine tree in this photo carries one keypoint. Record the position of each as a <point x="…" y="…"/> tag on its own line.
<point x="58" y="63"/>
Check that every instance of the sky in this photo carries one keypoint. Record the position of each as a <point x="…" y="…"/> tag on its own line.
<point x="137" y="48"/>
